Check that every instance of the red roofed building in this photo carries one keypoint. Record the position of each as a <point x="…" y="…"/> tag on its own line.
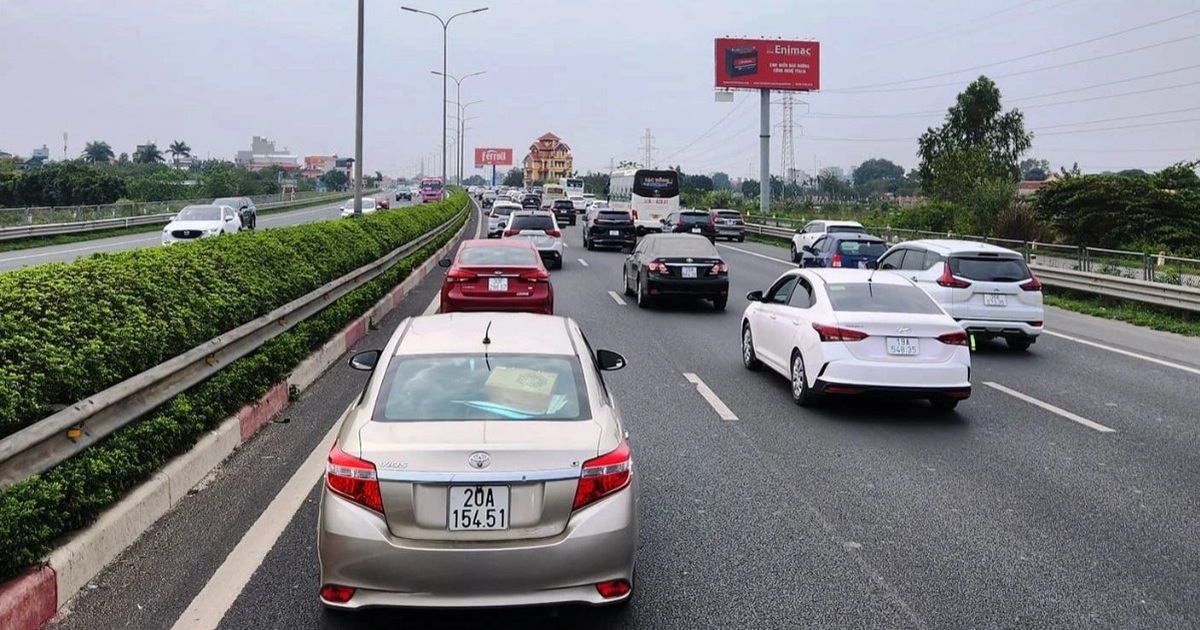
<point x="549" y="160"/>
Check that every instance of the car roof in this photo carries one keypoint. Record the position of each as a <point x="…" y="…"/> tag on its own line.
<point x="509" y="333"/>
<point x="205" y="205"/>
<point x="492" y="242"/>
<point x="675" y="236"/>
<point x="726" y="210"/>
<point x="828" y="222"/>
<point x="506" y="204"/>
<point x="946" y="246"/>
<point x="855" y="275"/>
<point x="852" y="236"/>
<point x="533" y="213"/>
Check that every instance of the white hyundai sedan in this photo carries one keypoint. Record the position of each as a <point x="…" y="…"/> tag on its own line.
<point x="855" y="332"/>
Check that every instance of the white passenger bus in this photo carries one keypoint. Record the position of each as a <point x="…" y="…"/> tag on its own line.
<point x="648" y="194"/>
<point x="572" y="185"/>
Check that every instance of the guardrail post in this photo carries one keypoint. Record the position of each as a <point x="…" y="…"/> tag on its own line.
<point x="28" y="216"/>
<point x="1085" y="263"/>
<point x="1147" y="268"/>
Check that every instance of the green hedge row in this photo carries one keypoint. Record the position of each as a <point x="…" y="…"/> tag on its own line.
<point x="286" y="263"/>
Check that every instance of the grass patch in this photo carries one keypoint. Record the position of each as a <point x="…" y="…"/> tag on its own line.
<point x="1148" y="315"/>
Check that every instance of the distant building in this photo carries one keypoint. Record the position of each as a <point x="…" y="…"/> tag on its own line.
<point x="317" y="165"/>
<point x="41" y="154"/>
<point x="549" y="160"/>
<point x="1027" y="188"/>
<point x="833" y="171"/>
<point x="263" y="153"/>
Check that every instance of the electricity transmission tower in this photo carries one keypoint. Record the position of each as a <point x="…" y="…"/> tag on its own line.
<point x="787" y="158"/>
<point x="648" y="150"/>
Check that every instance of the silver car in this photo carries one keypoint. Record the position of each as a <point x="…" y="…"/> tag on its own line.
<point x="485" y="464"/>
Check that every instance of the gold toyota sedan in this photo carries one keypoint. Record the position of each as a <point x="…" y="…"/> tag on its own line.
<point x="485" y="464"/>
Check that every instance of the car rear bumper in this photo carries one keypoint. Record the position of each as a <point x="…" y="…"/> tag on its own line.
<point x="356" y="549"/>
<point x="848" y="375"/>
<point x="658" y="285"/>
<point x="988" y="328"/>
<point x="600" y="237"/>
<point x="886" y="391"/>
<point x="731" y="232"/>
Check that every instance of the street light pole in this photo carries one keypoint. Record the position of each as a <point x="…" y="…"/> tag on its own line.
<point x="458" y="104"/>
<point x="445" y="86"/>
<point x="358" y="117"/>
<point x="462" y="134"/>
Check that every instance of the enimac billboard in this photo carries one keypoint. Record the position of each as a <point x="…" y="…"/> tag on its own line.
<point x="773" y="64"/>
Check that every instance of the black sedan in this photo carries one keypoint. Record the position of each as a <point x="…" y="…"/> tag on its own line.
<point x="676" y="265"/>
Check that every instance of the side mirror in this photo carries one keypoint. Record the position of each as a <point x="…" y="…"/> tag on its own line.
<point x="809" y="249"/>
<point x="609" y="360"/>
<point x="245" y="207"/>
<point x="872" y="264"/>
<point x="800" y="231"/>
<point x="228" y="219"/>
<point x="365" y="360"/>
<point x="755" y="296"/>
<point x="444" y="263"/>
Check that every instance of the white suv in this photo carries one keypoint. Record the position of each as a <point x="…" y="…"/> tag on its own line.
<point x="989" y="290"/>
<point x="540" y="227"/>
<point x="807" y="235"/>
<point x="499" y="217"/>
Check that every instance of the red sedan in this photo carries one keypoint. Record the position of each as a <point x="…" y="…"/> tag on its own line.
<point x="490" y="275"/>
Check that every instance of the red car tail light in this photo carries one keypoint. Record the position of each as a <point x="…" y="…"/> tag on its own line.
<point x="554" y="233"/>
<point x="947" y="279"/>
<point x="613" y="588"/>
<point x="656" y="266"/>
<point x="959" y="338"/>
<point x="460" y="275"/>
<point x="336" y="594"/>
<point x="720" y="267"/>
<point x="537" y="275"/>
<point x="834" y="333"/>
<point x="604" y="475"/>
<point x="837" y="261"/>
<point x="511" y="232"/>
<point x="634" y="213"/>
<point x="354" y="479"/>
<point x="1033" y="284"/>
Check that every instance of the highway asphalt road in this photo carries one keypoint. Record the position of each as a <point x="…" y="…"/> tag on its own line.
<point x="71" y="251"/>
<point x="1017" y="511"/>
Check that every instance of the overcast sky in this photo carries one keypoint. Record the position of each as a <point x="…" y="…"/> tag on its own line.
<point x="598" y="74"/>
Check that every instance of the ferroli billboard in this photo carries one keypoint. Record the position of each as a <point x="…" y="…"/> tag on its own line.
<point x="773" y="64"/>
<point x="493" y="157"/>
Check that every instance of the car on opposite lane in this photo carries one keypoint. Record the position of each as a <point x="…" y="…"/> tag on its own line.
<point x="201" y="221"/>
<point x="853" y="251"/>
<point x="244" y="206"/>
<point x="485" y="464"/>
<point x="608" y="227"/>
<point x="491" y="275"/>
<point x="540" y="228"/>
<point x="854" y="332"/>
<point x="403" y="193"/>
<point x="368" y="207"/>
<point x="676" y="265"/>
<point x="988" y="289"/>
<point x="813" y="230"/>
<point x="499" y="216"/>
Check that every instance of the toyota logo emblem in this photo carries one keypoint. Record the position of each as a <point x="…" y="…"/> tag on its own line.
<point x="479" y="460"/>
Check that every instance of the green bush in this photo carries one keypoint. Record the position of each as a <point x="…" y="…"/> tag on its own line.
<point x="36" y="512"/>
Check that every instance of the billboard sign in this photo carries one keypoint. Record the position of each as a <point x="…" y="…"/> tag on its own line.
<point x="768" y="63"/>
<point x="493" y="157"/>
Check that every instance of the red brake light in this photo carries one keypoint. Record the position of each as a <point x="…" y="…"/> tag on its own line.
<point x="336" y="594"/>
<point x="656" y="266"/>
<point x="720" y="267"/>
<point x="353" y="478"/>
<point x="554" y="233"/>
<point x="460" y="275"/>
<point x="834" y="333"/>
<point x="604" y="475"/>
<point x="537" y="275"/>
<point x="1034" y="284"/>
<point x="959" y="338"/>
<point x="947" y="279"/>
<point x="837" y="261"/>
<point x="511" y="232"/>
<point x="634" y="213"/>
<point x="613" y="588"/>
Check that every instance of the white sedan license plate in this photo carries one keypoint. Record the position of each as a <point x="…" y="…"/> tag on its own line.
<point x="614" y="232"/>
<point x="903" y="346"/>
<point x="689" y="272"/>
<point x="497" y="284"/>
<point x="695" y="230"/>
<point x="994" y="299"/>
<point x="478" y="508"/>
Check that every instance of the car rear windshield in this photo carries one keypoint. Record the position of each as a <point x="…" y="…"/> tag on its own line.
<point x="846" y="229"/>
<point x="729" y="214"/>
<point x="872" y="249"/>
<point x="613" y="215"/>
<point x="878" y="297"/>
<point x="989" y="268"/>
<point x="232" y="202"/>
<point x="503" y="211"/>
<point x="532" y="222"/>
<point x="476" y="387"/>
<point x="564" y="203"/>
<point x="698" y="246"/>
<point x="516" y="256"/>
<point x="694" y="217"/>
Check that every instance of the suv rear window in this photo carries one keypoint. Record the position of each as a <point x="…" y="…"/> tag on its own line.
<point x="613" y="215"/>
<point x="846" y="229"/>
<point x="878" y="297"/>
<point x="563" y="204"/>
<point x="452" y="387"/>
<point x="990" y="268"/>
<point x="694" y="217"/>
<point x="727" y="214"/>
<point x="532" y="222"/>
<point x="503" y="211"/>
<point x="874" y="249"/>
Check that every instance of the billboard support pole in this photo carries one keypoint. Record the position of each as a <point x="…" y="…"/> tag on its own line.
<point x="764" y="153"/>
<point x="493" y="175"/>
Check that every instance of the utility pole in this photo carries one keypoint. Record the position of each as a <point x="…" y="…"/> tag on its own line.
<point x="647" y="150"/>
<point x="787" y="158"/>
<point x="764" y="152"/>
<point x="358" y="116"/>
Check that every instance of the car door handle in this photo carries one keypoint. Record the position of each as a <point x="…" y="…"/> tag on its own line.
<point x="773" y="316"/>
<point x="795" y="322"/>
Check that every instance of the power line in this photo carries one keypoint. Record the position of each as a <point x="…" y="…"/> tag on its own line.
<point x="1037" y="132"/>
<point x="1024" y="72"/>
<point x="1022" y="57"/>
<point x="1106" y="84"/>
<point x="1140" y="126"/>
<point x="710" y="129"/>
<point x="1131" y="117"/>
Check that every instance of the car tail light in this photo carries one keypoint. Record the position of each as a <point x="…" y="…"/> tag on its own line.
<point x="720" y="267"/>
<point x="1034" y="284"/>
<point x="460" y="275"/>
<point x="836" y="261"/>
<point x="959" y="338"/>
<point x="604" y="475"/>
<point x="680" y="223"/>
<point x="554" y="233"/>
<point x="834" y="333"/>
<point x="511" y="232"/>
<point x="1035" y="324"/>
<point x="656" y="266"/>
<point x="537" y="275"/>
<point x="947" y="279"/>
<point x="353" y="478"/>
<point x="634" y="213"/>
<point x="613" y="588"/>
<point x="336" y="594"/>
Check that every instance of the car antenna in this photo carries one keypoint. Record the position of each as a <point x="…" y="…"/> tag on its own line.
<point x="871" y="276"/>
<point x="487" y="341"/>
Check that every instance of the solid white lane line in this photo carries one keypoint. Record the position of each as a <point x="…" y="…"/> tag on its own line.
<point x="1184" y="368"/>
<point x="1051" y="408"/>
<point x="616" y="298"/>
<point x="583" y="262"/>
<point x="223" y="588"/>
<point x="711" y="397"/>
<point x="763" y="256"/>
<point x="155" y="238"/>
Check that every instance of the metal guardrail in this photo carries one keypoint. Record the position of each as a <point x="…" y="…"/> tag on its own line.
<point x="42" y="445"/>
<point x="1056" y="272"/>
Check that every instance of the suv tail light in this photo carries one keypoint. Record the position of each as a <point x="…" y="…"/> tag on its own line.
<point x="1033" y="284"/>
<point x="656" y="266"/>
<point x="354" y="479"/>
<point x="947" y="279"/>
<point x="834" y="333"/>
<point x="554" y="233"/>
<point x="511" y="232"/>
<point x="836" y="261"/>
<point x="720" y="267"/>
<point x="603" y="476"/>
<point x="460" y="275"/>
<point x="634" y="213"/>
<point x="959" y="338"/>
<point x="537" y="275"/>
